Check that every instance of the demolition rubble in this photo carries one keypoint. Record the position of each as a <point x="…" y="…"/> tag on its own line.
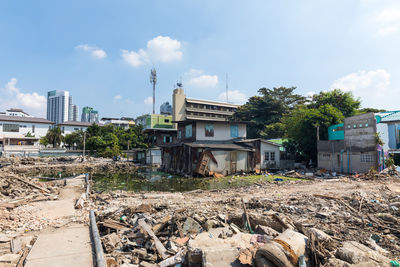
<point x="341" y="222"/>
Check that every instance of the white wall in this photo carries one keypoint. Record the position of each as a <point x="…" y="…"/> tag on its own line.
<point x="222" y="131"/>
<point x="265" y="147"/>
<point x="40" y="129"/>
<point x="382" y="129"/>
<point x="66" y="129"/>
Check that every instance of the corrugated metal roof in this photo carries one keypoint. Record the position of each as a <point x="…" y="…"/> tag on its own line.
<point x="24" y="119"/>
<point x="394" y="116"/>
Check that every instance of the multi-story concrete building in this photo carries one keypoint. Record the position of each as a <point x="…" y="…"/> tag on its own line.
<point x="123" y="122"/>
<point x="60" y="107"/>
<point x="20" y="135"/>
<point x="16" y="112"/>
<point x="73" y="111"/>
<point x="208" y="139"/>
<point x="158" y="127"/>
<point x="352" y="146"/>
<point x="89" y="115"/>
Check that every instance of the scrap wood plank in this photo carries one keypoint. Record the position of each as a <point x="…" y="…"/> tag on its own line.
<point x="158" y="227"/>
<point x="113" y="224"/>
<point x="159" y="246"/>
<point x="32" y="184"/>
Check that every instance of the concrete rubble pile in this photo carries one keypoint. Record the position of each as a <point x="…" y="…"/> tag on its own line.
<point x="239" y="227"/>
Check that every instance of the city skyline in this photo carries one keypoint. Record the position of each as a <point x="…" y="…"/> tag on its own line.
<point x="312" y="45"/>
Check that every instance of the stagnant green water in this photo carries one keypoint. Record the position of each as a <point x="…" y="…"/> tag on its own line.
<point x="145" y="180"/>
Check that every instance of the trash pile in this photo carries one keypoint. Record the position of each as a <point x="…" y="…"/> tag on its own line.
<point x="253" y="226"/>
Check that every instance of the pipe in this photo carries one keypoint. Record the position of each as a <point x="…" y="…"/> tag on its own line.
<point x="100" y="262"/>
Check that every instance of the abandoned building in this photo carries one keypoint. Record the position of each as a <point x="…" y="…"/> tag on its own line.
<point x="352" y="146"/>
<point x="209" y="141"/>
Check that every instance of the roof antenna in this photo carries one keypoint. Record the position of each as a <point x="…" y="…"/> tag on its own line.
<point x="227" y="99"/>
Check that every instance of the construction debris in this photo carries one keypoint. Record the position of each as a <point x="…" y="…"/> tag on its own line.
<point x="343" y="222"/>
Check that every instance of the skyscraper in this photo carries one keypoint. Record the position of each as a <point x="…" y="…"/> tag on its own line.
<point x="89" y="115"/>
<point x="58" y="106"/>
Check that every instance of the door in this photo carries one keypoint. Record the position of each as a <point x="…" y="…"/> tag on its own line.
<point x="233" y="156"/>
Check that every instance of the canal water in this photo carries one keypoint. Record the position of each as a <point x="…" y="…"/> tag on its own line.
<point x="146" y="180"/>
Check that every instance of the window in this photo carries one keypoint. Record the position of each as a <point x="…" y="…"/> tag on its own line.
<point x="33" y="128"/>
<point x="166" y="120"/>
<point x="209" y="130"/>
<point x="367" y="158"/>
<point x="13" y="128"/>
<point x="179" y="134"/>
<point x="234" y="131"/>
<point x="272" y="156"/>
<point x="167" y="139"/>
<point x="366" y="125"/>
<point x="188" y="131"/>
<point x="76" y="129"/>
<point x="269" y="156"/>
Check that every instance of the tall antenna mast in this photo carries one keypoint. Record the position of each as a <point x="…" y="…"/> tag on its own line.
<point x="153" y="80"/>
<point x="227" y="99"/>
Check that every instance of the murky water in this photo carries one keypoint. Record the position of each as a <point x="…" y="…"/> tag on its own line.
<point x="144" y="180"/>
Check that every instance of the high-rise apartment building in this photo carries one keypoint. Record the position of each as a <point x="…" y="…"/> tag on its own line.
<point x="89" y="115"/>
<point x="58" y="106"/>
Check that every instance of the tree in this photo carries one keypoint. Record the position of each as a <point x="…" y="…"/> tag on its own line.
<point x="368" y="110"/>
<point x="74" y="138"/>
<point x="301" y="127"/>
<point x="343" y="101"/>
<point x="54" y="136"/>
<point x="44" y="141"/>
<point x="268" y="108"/>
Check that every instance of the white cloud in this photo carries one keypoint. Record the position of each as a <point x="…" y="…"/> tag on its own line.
<point x="197" y="78"/>
<point x="148" y="100"/>
<point x="94" y="51"/>
<point x="12" y="97"/>
<point x="204" y="81"/>
<point x="117" y="97"/>
<point x="373" y="87"/>
<point x="234" y="96"/>
<point x="387" y="21"/>
<point x="160" y="49"/>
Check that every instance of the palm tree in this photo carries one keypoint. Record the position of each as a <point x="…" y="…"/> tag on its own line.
<point x="54" y="136"/>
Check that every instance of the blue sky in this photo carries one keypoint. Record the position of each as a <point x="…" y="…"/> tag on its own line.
<point x="102" y="51"/>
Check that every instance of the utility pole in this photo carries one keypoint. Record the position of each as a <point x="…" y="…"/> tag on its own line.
<point x="153" y="80"/>
<point x="227" y="99"/>
<point x="84" y="145"/>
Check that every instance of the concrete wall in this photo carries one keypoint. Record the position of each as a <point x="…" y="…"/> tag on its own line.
<point x="359" y="132"/>
<point x="347" y="162"/>
<point x="178" y="105"/>
<point x="39" y="131"/>
<point x="222" y="131"/>
<point x="265" y="147"/>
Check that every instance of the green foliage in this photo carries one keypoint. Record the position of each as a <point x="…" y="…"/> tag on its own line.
<point x="343" y="101"/>
<point x="28" y="134"/>
<point x="378" y="139"/>
<point x="368" y="110"/>
<point x="273" y="130"/>
<point x="109" y="141"/>
<point x="44" y="141"/>
<point x="301" y="127"/>
<point x="74" y="139"/>
<point x="54" y="136"/>
<point x="268" y="108"/>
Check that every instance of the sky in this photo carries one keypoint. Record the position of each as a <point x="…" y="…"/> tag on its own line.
<point x="102" y="51"/>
